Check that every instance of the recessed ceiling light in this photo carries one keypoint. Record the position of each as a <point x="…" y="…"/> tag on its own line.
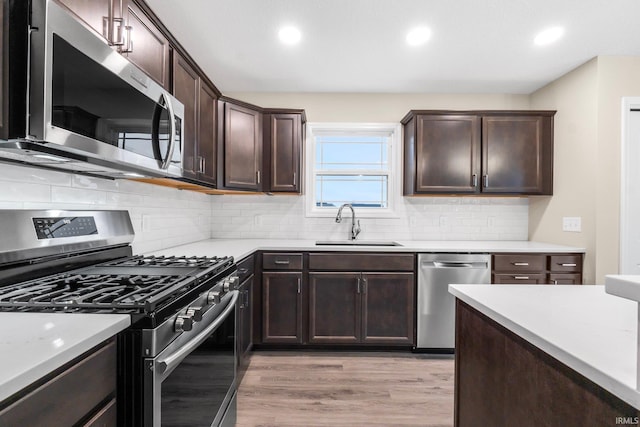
<point x="418" y="36"/>
<point x="290" y="35"/>
<point x="548" y="36"/>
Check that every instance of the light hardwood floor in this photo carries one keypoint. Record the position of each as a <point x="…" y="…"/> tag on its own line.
<point x="346" y="389"/>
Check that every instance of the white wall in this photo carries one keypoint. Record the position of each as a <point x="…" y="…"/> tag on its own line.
<point x="462" y="218"/>
<point x="162" y="217"/>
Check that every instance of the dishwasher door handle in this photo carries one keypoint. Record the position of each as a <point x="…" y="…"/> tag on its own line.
<point x="454" y="264"/>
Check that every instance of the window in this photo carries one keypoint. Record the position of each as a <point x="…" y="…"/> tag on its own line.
<point x="352" y="163"/>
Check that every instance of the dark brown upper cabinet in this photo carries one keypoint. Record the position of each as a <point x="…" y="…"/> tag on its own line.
<point x="471" y="152"/>
<point x="241" y="146"/>
<point x="199" y="126"/>
<point x="144" y="44"/>
<point x="124" y="25"/>
<point x="283" y="142"/>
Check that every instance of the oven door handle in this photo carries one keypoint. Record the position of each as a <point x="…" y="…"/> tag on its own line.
<point x="169" y="363"/>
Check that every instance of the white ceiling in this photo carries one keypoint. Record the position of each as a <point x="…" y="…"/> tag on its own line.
<point x="476" y="46"/>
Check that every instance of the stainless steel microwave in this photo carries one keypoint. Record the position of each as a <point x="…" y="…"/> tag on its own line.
<point x="87" y="108"/>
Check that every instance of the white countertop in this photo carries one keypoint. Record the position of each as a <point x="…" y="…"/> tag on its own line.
<point x="583" y="327"/>
<point x="623" y="285"/>
<point x="33" y="344"/>
<point x="240" y="248"/>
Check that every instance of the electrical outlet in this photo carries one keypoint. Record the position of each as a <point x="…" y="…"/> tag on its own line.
<point x="444" y="221"/>
<point x="257" y="220"/>
<point x="491" y="221"/>
<point x="572" y="223"/>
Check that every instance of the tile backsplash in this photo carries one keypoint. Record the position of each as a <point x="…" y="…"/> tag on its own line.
<point x="161" y="216"/>
<point x="164" y="217"/>
<point x="420" y="218"/>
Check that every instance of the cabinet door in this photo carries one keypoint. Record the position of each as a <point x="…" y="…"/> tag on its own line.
<point x="517" y="154"/>
<point x="94" y="13"/>
<point x="242" y="148"/>
<point x="185" y="89"/>
<point x="447" y="154"/>
<point x="207" y="142"/>
<point x="3" y="63"/>
<point x="388" y="308"/>
<point x="281" y="307"/>
<point x="144" y="44"/>
<point x="285" y="140"/>
<point x="334" y="308"/>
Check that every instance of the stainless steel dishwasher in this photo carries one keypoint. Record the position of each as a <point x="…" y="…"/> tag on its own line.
<point x="436" y="306"/>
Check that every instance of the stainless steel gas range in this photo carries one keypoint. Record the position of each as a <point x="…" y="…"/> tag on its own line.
<point x="177" y="362"/>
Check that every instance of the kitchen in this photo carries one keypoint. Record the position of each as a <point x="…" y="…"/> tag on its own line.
<point x="586" y="174"/>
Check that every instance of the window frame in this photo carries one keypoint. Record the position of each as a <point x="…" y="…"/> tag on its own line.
<point x="394" y="174"/>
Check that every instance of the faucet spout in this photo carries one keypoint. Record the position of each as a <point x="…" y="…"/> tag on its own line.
<point x="355" y="224"/>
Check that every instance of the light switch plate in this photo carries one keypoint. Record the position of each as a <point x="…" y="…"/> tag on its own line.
<point x="572" y="223"/>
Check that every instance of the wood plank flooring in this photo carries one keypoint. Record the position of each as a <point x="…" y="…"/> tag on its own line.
<point x="320" y="389"/>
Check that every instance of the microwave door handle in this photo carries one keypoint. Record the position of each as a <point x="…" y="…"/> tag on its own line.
<point x="169" y="363"/>
<point x="155" y="134"/>
<point x="172" y="133"/>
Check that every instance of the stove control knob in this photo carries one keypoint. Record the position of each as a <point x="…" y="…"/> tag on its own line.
<point x="234" y="281"/>
<point x="226" y="284"/>
<point x="183" y="323"/>
<point x="213" y="297"/>
<point x="195" y="313"/>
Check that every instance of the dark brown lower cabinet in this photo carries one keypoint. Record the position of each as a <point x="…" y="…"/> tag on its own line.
<point x="334" y="308"/>
<point x="82" y="394"/>
<point x="282" y="307"/>
<point x="361" y="308"/>
<point x="502" y="380"/>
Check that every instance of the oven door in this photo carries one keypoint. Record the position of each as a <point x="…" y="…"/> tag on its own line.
<point x="193" y="383"/>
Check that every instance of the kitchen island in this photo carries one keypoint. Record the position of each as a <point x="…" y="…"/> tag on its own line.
<point x="544" y="355"/>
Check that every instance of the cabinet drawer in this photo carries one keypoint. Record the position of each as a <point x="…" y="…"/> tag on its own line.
<point x="245" y="268"/>
<point x="565" y="263"/>
<point x="520" y="278"/>
<point x="68" y="397"/>
<point x="519" y="262"/>
<point x="565" y="278"/>
<point x="282" y="261"/>
<point x="361" y="262"/>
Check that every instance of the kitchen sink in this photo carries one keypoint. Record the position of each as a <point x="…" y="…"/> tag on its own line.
<point x="356" y="243"/>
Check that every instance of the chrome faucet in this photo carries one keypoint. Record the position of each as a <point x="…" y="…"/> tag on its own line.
<point x="355" y="229"/>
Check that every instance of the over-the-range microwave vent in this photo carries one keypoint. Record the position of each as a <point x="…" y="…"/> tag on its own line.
<point x="42" y="155"/>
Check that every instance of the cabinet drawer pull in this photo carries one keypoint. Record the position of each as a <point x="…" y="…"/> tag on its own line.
<point x="281" y="262"/>
<point x="521" y="277"/>
<point x="243" y="270"/>
<point x="568" y="264"/>
<point x="521" y="264"/>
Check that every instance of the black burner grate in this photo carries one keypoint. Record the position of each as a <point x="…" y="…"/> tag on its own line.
<point x="131" y="293"/>
<point x="164" y="261"/>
